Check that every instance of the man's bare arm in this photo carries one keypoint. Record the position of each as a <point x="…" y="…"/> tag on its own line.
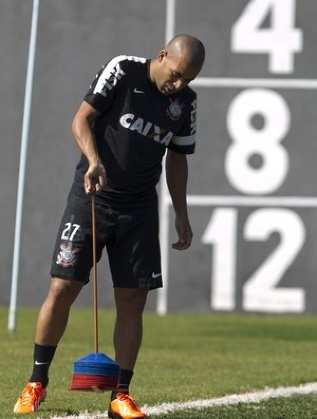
<point x="176" y="176"/>
<point x="95" y="177"/>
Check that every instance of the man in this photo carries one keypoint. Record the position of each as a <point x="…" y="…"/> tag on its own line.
<point x="134" y="110"/>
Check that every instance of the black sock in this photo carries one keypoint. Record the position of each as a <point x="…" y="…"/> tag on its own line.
<point x="125" y="378"/>
<point x="42" y="357"/>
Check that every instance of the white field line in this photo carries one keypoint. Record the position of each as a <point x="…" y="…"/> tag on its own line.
<point x="249" y="201"/>
<point x="253" y="82"/>
<point x="252" y="397"/>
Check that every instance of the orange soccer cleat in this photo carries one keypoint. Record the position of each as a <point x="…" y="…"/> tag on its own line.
<point x="30" y="399"/>
<point x="124" y="407"/>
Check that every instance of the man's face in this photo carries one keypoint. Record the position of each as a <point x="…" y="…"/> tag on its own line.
<point x="174" y="73"/>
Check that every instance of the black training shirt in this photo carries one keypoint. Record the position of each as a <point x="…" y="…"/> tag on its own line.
<point x="134" y="126"/>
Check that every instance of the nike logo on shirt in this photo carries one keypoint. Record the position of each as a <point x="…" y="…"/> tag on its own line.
<point x="137" y="90"/>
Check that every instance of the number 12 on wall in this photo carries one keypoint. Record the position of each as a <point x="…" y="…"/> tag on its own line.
<point x="260" y="292"/>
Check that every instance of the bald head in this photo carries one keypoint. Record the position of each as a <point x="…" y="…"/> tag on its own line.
<point x="189" y="48"/>
<point x="177" y="64"/>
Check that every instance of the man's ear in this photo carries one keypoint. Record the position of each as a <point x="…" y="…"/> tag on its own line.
<point x="162" y="54"/>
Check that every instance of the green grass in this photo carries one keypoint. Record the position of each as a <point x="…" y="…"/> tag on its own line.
<point x="303" y="407"/>
<point x="183" y="357"/>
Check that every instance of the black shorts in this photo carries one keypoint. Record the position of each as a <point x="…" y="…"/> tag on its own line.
<point x="131" y="239"/>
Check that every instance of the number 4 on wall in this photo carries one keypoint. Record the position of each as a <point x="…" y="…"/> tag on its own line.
<point x="259" y="291"/>
<point x="280" y="41"/>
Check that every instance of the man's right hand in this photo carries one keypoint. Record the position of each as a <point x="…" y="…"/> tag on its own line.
<point x="95" y="178"/>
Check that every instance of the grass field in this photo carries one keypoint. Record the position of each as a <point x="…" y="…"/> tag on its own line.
<point x="184" y="357"/>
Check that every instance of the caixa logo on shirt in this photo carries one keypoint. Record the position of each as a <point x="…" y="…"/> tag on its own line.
<point x="146" y="128"/>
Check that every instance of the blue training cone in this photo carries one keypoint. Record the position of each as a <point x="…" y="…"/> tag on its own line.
<point x="95" y="372"/>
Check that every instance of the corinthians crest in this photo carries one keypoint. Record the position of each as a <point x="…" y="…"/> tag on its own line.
<point x="67" y="255"/>
<point x="174" y="111"/>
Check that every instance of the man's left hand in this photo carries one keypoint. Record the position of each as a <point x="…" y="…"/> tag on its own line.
<point x="184" y="232"/>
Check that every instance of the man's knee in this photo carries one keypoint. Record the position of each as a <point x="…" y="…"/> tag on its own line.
<point x="130" y="300"/>
<point x="63" y="290"/>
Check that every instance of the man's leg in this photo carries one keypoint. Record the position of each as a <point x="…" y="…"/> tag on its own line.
<point x="51" y="324"/>
<point x="53" y="315"/>
<point x="129" y="325"/>
<point x="127" y="338"/>
<point x="134" y="260"/>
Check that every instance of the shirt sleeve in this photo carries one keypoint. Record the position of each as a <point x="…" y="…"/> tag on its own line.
<point x="107" y="81"/>
<point x="185" y="140"/>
